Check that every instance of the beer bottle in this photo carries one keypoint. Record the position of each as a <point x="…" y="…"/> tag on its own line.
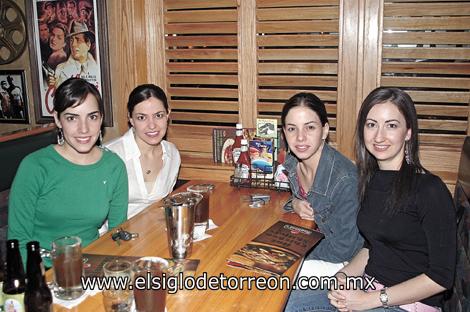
<point x="2" y="274"/>
<point x="14" y="283"/>
<point x="38" y="297"/>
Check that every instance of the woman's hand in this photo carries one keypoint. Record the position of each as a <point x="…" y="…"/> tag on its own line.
<point x="352" y="300"/>
<point x="337" y="299"/>
<point x="303" y="209"/>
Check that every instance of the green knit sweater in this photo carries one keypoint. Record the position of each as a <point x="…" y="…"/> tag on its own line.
<point x="52" y="197"/>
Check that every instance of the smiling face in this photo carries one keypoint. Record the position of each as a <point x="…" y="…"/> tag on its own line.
<point x="304" y="133"/>
<point x="81" y="126"/>
<point x="57" y="39"/>
<point x="385" y="133"/>
<point x="150" y="120"/>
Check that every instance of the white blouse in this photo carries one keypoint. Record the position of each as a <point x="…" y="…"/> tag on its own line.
<point x="139" y="196"/>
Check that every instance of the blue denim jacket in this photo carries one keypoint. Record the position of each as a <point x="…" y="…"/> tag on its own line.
<point x="333" y="197"/>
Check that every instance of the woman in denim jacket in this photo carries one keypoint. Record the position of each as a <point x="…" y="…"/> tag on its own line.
<point x="324" y="189"/>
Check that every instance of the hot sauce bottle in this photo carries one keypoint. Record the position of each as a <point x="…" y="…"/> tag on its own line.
<point x="243" y="164"/>
<point x="236" y="147"/>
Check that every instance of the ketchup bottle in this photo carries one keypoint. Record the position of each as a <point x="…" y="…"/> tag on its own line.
<point x="236" y="147"/>
<point x="243" y="165"/>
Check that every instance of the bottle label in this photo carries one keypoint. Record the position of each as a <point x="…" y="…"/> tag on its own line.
<point x="236" y="154"/>
<point x="13" y="302"/>
<point x="244" y="171"/>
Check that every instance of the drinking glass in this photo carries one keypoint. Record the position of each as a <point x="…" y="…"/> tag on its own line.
<point x="201" y="214"/>
<point x="118" y="298"/>
<point x="67" y="263"/>
<point x="149" y="299"/>
<point x="179" y="217"/>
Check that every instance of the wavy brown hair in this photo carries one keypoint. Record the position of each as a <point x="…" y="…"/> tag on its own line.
<point x="404" y="184"/>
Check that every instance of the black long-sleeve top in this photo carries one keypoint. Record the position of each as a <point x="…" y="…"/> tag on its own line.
<point x="420" y="238"/>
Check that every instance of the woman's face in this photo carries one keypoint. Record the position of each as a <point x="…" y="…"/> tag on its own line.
<point x="81" y="127"/>
<point x="57" y="39"/>
<point x="304" y="133"/>
<point x="385" y="134"/>
<point x="150" y="121"/>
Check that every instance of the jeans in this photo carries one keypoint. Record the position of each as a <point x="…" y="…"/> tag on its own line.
<point x="317" y="300"/>
<point x="308" y="300"/>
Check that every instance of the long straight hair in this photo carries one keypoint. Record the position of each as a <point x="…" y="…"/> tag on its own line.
<point x="404" y="184"/>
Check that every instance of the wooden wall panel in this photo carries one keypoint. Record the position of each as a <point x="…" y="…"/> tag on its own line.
<point x="438" y="31"/>
<point x="297" y="45"/>
<point x="202" y="69"/>
<point x="227" y="60"/>
<point x="426" y="52"/>
<point x="247" y="62"/>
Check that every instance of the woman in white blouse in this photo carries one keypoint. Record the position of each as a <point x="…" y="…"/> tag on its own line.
<point x="152" y="163"/>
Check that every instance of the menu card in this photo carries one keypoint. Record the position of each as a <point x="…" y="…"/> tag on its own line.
<point x="276" y="249"/>
<point x="93" y="264"/>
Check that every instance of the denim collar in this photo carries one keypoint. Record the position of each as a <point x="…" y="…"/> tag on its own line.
<point x="322" y="178"/>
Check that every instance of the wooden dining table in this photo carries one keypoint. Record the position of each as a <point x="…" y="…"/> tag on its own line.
<point x="237" y="225"/>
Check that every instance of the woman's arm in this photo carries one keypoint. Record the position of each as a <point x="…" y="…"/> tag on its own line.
<point x="175" y="166"/>
<point x="412" y="290"/>
<point x="357" y="264"/>
<point x="118" y="206"/>
<point x="342" y="237"/>
<point x="24" y="195"/>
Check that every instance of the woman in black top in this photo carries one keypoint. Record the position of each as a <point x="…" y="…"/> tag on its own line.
<point x="406" y="217"/>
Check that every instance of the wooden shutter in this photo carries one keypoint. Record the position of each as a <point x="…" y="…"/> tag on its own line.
<point x="426" y="51"/>
<point x="202" y="70"/>
<point x="297" y="51"/>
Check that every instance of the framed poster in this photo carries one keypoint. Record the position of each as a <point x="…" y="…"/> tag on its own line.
<point x="68" y="38"/>
<point x="13" y="101"/>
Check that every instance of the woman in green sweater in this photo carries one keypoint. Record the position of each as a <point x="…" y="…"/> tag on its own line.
<point x="72" y="187"/>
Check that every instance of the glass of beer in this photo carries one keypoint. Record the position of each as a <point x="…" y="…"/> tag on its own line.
<point x="67" y="263"/>
<point x="118" y="298"/>
<point x="149" y="291"/>
<point x="201" y="214"/>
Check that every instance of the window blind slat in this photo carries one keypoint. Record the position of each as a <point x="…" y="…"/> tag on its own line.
<point x="202" y="67"/>
<point x="297" y="14"/>
<point x="450" y="68"/>
<point x="298" y="54"/>
<point x="434" y="9"/>
<point x="426" y="23"/>
<point x="427" y="38"/>
<point x="285" y="27"/>
<point x="198" y="4"/>
<point x="298" y="40"/>
<point x="288" y="3"/>
<point x="427" y="53"/>
<point x="297" y="68"/>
